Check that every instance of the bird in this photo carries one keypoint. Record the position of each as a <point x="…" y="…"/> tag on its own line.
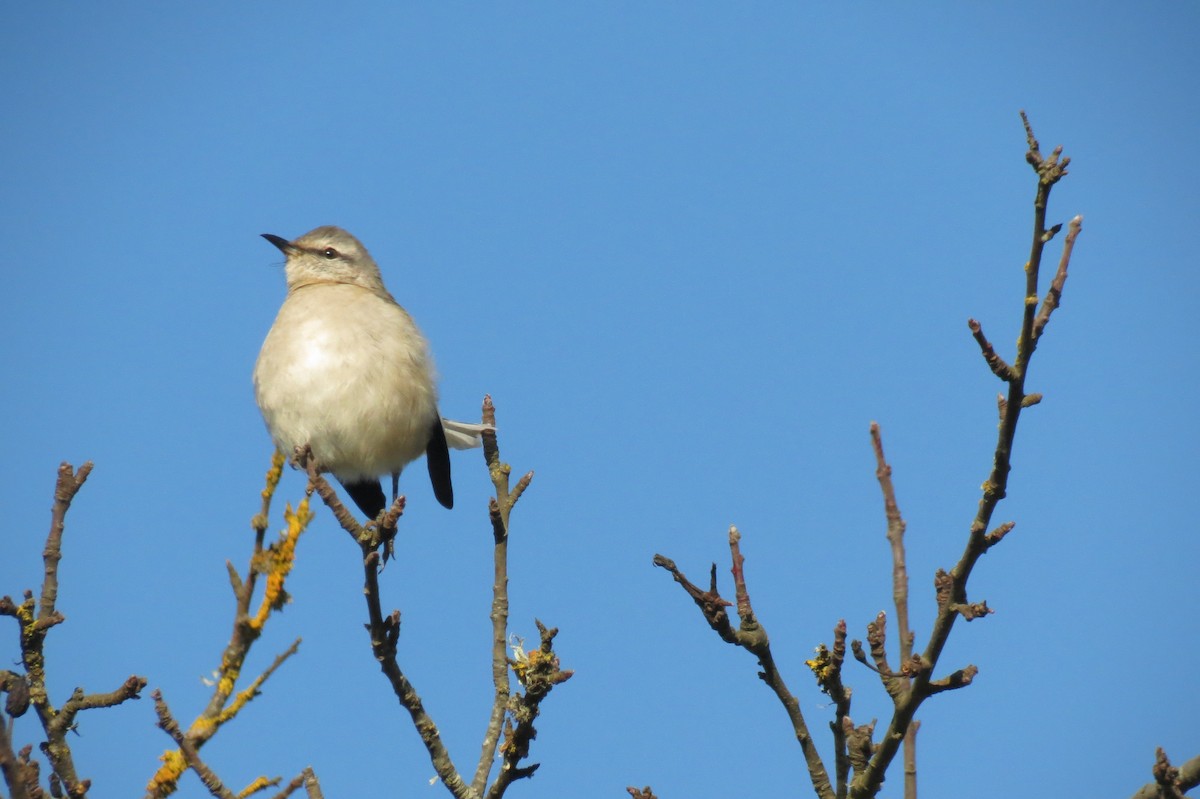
<point x="346" y="371"/>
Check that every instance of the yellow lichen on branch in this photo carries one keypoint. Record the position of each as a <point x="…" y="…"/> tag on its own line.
<point x="277" y="562"/>
<point x="822" y="665"/>
<point x="259" y="784"/>
<point x="166" y="779"/>
<point x="273" y="563"/>
<point x="254" y="689"/>
<point x="273" y="475"/>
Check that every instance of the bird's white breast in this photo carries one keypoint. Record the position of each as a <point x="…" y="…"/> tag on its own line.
<point x="325" y="377"/>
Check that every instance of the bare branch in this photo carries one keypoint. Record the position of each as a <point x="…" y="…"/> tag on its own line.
<point x="305" y="779"/>
<point x="538" y="672"/>
<point x="958" y="679"/>
<point x="1054" y="295"/>
<point x="81" y="701"/>
<point x="1168" y="780"/>
<point x="711" y="603"/>
<point x="827" y="668"/>
<point x="895" y="535"/>
<point x="997" y="535"/>
<point x="499" y="473"/>
<point x="384" y="636"/>
<point x="311" y="786"/>
<point x="68" y="485"/>
<point x="952" y="587"/>
<point x="999" y="368"/>
<point x="894" y="683"/>
<point x="274" y="563"/>
<point x="317" y="482"/>
<point x="385" y="632"/>
<point x="1049" y="169"/>
<point x="972" y="610"/>
<point x="752" y="637"/>
<point x="20" y="775"/>
<point x="34" y="622"/>
<point x="255" y="688"/>
<point x="859" y="743"/>
<point x="190" y="753"/>
<point x="910" y="759"/>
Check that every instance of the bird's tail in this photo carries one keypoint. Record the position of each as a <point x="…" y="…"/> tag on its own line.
<point x="464" y="435"/>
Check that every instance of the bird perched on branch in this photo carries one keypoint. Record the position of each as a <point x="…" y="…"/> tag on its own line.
<point x="345" y="370"/>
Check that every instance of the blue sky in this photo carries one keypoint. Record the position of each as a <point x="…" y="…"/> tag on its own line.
<point x="692" y="250"/>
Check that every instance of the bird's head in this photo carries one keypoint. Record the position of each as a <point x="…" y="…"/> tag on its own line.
<point x="328" y="254"/>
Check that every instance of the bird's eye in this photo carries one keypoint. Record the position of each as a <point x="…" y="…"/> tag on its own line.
<point x="330" y="253"/>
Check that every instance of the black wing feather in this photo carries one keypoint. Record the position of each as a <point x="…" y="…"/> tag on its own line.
<point x="367" y="495"/>
<point x="437" y="456"/>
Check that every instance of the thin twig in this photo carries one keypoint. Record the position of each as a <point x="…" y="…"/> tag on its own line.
<point x="317" y="482"/>
<point x="953" y="586"/>
<point x="305" y="779"/>
<point x="385" y="633"/>
<point x="190" y="753"/>
<point x="913" y="683"/>
<point x="18" y="776"/>
<point x="255" y="688"/>
<point x="910" y="759"/>
<point x="312" y="787"/>
<point x="957" y="679"/>
<point x="895" y="535"/>
<point x="1178" y="780"/>
<point x="997" y="364"/>
<point x="752" y="637"/>
<point x="35" y="620"/>
<point x="860" y="743"/>
<point x="1054" y="294"/>
<point x="68" y="485"/>
<point x="275" y="563"/>
<point x="826" y="666"/>
<point x="499" y="509"/>
<point x="33" y="638"/>
<point x="538" y="672"/>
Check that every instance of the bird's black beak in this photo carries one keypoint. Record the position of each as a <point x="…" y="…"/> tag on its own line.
<point x="283" y="244"/>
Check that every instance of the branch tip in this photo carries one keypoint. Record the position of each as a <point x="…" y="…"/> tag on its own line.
<point x="997" y="364"/>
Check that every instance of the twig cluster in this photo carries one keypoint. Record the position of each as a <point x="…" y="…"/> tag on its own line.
<point x="510" y="730"/>
<point x="913" y="679"/>
<point x="512" y="714"/>
<point x="1170" y="782"/>
<point x="273" y="563"/>
<point x="35" y="619"/>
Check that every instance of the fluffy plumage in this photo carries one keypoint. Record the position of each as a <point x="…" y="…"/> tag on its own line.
<point x="345" y="370"/>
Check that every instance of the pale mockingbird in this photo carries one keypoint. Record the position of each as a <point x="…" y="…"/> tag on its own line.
<point x="345" y="370"/>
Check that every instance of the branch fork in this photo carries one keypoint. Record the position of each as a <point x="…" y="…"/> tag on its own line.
<point x="913" y="683"/>
<point x="512" y="714"/>
<point x="21" y="773"/>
